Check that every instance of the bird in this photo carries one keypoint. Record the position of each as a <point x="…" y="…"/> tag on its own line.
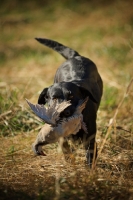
<point x="54" y="128"/>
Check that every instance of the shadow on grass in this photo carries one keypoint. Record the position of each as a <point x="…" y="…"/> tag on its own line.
<point x="8" y="193"/>
<point x="102" y="192"/>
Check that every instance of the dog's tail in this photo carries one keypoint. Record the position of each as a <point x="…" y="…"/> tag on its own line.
<point x="65" y="51"/>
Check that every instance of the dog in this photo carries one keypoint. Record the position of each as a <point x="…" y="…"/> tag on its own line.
<point x="76" y="79"/>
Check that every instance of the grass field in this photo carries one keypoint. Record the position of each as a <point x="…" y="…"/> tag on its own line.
<point x="101" y="30"/>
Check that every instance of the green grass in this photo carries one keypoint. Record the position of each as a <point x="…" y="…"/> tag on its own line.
<point x="15" y="118"/>
<point x="110" y="100"/>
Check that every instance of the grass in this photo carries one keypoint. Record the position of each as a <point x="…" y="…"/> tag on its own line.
<point x="99" y="30"/>
<point x="15" y="118"/>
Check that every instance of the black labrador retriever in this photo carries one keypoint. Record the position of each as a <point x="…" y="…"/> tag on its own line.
<point x="76" y="79"/>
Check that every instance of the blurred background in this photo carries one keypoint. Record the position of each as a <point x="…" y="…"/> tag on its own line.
<point x="101" y="30"/>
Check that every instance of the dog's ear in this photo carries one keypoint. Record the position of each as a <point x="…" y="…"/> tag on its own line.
<point x="93" y="89"/>
<point x="94" y="94"/>
<point x="86" y="93"/>
<point x="42" y="96"/>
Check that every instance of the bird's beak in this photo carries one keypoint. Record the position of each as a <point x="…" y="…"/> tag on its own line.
<point x="37" y="149"/>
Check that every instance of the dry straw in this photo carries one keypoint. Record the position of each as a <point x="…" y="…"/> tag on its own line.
<point x="113" y="120"/>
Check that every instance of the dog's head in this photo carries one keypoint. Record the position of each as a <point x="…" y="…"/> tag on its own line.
<point x="62" y="91"/>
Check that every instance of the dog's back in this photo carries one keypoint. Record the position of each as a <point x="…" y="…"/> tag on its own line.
<point x="76" y="69"/>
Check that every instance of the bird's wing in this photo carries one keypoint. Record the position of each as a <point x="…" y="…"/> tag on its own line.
<point x="41" y="112"/>
<point x="58" y="109"/>
<point x="51" y="114"/>
<point x="81" y="105"/>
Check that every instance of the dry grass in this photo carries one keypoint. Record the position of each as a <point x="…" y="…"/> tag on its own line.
<point x="100" y="30"/>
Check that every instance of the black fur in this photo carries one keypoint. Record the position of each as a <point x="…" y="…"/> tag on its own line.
<point x="74" y="80"/>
